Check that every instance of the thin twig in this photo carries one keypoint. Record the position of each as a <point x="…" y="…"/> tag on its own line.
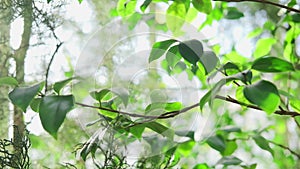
<point x="264" y="2"/>
<point x="297" y="123"/>
<point x="285" y="147"/>
<point x="50" y="63"/>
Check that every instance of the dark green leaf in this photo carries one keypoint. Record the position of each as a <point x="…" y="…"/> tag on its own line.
<point x="99" y="95"/>
<point x="59" y="85"/>
<point x="189" y="134"/>
<point x="217" y="142"/>
<point x="144" y="6"/>
<point x="233" y="13"/>
<point x="10" y="81"/>
<point x="272" y="64"/>
<point x="209" y="60"/>
<point x="263" y="143"/>
<point x="296" y="18"/>
<point x="53" y="110"/>
<point x="160" y="48"/>
<point x="191" y="50"/>
<point x="229" y="160"/>
<point x="201" y="166"/>
<point x="35" y="103"/>
<point x="263" y="94"/>
<point x="137" y="130"/>
<point x="203" y="5"/>
<point x="160" y="129"/>
<point x="22" y="96"/>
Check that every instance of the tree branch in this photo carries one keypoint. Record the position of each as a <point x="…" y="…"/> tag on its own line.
<point x="286" y="148"/>
<point x="50" y="63"/>
<point x="264" y="2"/>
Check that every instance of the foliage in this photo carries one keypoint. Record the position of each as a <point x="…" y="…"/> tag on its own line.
<point x="268" y="82"/>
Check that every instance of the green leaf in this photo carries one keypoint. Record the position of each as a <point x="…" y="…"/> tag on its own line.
<point x="201" y="166"/>
<point x="10" y="81"/>
<point x="209" y="60"/>
<point x="217" y="142"/>
<point x="186" y="148"/>
<point x="35" y="103"/>
<point x="160" y="129"/>
<point x="229" y="160"/>
<point x="144" y="6"/>
<point x="160" y="48"/>
<point x="126" y="8"/>
<point x="263" y="47"/>
<point x="191" y="15"/>
<point x="263" y="94"/>
<point x="231" y="146"/>
<point x="202" y="5"/>
<point x="255" y="32"/>
<point x="233" y="13"/>
<point x="295" y="104"/>
<point x="189" y="134"/>
<point x="173" y="106"/>
<point x="173" y="56"/>
<point x="296" y="18"/>
<point x="22" y="96"/>
<point x="272" y="64"/>
<point x="191" y="50"/>
<point x="99" y="95"/>
<point x="158" y="96"/>
<point x="53" y="110"/>
<point x="175" y="17"/>
<point x="59" y="85"/>
<point x="263" y="143"/>
<point x="137" y="130"/>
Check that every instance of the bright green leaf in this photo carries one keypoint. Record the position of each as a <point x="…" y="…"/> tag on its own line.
<point x="10" y="81"/>
<point x="99" y="95"/>
<point x="22" y="96"/>
<point x="295" y="104"/>
<point x="263" y="143"/>
<point x="272" y="64"/>
<point x="217" y="142"/>
<point x="191" y="15"/>
<point x="186" y="148"/>
<point x="231" y="146"/>
<point x="255" y="33"/>
<point x="53" y="110"/>
<point x="203" y="5"/>
<point x="263" y="94"/>
<point x="126" y="8"/>
<point x="191" y="50"/>
<point x="264" y="46"/>
<point x="173" y="106"/>
<point x="175" y="17"/>
<point x="160" y="48"/>
<point x="201" y="166"/>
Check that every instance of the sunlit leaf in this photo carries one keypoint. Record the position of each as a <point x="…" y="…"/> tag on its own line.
<point x="10" y="81"/>
<point x="160" y="48"/>
<point x="175" y="17"/>
<point x="272" y="64"/>
<point x="201" y="166"/>
<point x="295" y="104"/>
<point x="22" y="96"/>
<point x="99" y="95"/>
<point x="186" y="147"/>
<point x="53" y="110"/>
<point x="126" y="8"/>
<point x="231" y="146"/>
<point x="263" y="94"/>
<point x="264" y="46"/>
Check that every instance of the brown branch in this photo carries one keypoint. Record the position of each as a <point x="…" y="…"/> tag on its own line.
<point x="264" y="2"/>
<point x="50" y="63"/>
<point x="279" y="112"/>
<point x="162" y="116"/>
<point x="286" y="148"/>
